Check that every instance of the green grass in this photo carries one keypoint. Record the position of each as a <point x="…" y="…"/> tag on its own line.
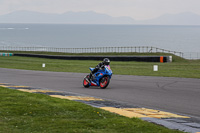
<point x="175" y="58"/>
<point x="178" y="68"/>
<point x="22" y="112"/>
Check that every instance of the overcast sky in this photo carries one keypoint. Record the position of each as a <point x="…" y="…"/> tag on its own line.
<point x="137" y="9"/>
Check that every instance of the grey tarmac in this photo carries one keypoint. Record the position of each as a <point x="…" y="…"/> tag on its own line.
<point x="176" y="95"/>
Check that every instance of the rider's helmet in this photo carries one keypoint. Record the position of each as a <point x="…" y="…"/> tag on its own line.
<point x="106" y="61"/>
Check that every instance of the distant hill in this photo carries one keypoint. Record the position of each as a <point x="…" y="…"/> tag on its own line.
<point x="186" y="18"/>
<point x="88" y="17"/>
<point x="91" y="17"/>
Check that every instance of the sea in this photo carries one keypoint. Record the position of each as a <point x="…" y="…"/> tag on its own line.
<point x="175" y="38"/>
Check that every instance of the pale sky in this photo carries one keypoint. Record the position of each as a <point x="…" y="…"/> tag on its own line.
<point x="137" y="9"/>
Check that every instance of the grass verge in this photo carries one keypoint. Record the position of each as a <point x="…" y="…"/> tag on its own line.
<point x="23" y="112"/>
<point x="178" y="68"/>
<point x="175" y="58"/>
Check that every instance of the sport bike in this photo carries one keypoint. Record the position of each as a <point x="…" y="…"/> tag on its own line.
<point x="100" y="78"/>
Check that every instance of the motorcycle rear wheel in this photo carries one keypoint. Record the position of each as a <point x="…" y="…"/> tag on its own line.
<point x="85" y="82"/>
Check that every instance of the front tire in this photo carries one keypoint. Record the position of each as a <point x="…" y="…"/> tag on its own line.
<point x="86" y="84"/>
<point x="104" y="82"/>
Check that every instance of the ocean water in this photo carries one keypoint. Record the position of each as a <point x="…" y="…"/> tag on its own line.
<point x="177" y="38"/>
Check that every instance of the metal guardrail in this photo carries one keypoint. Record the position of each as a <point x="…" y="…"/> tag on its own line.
<point x="6" y="54"/>
<point x="161" y="59"/>
<point x="139" y="49"/>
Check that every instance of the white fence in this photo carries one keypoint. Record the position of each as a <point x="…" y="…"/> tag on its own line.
<point x="191" y="55"/>
<point x="139" y="49"/>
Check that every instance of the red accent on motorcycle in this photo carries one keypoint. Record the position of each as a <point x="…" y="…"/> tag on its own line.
<point x="85" y="82"/>
<point x="92" y="84"/>
<point x="102" y="84"/>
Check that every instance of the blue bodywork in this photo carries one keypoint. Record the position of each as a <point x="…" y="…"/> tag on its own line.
<point x="106" y="71"/>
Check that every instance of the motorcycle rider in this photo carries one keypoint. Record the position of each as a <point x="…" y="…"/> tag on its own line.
<point x="106" y="61"/>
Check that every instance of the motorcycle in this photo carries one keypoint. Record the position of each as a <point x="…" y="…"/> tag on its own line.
<point x="100" y="78"/>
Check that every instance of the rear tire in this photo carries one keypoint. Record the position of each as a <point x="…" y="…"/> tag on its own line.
<point x="85" y="82"/>
<point x="104" y="82"/>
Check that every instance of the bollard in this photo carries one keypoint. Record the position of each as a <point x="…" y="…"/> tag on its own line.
<point x="170" y="58"/>
<point x="155" y="68"/>
<point x="43" y="65"/>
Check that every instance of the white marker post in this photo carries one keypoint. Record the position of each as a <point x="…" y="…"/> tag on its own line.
<point x="43" y="65"/>
<point x="155" y="68"/>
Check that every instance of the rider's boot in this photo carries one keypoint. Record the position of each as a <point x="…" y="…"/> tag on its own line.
<point x="88" y="80"/>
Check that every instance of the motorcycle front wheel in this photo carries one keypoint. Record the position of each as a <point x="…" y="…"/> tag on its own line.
<point x="104" y="82"/>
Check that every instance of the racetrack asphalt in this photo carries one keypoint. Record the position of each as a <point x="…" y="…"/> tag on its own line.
<point x="176" y="95"/>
